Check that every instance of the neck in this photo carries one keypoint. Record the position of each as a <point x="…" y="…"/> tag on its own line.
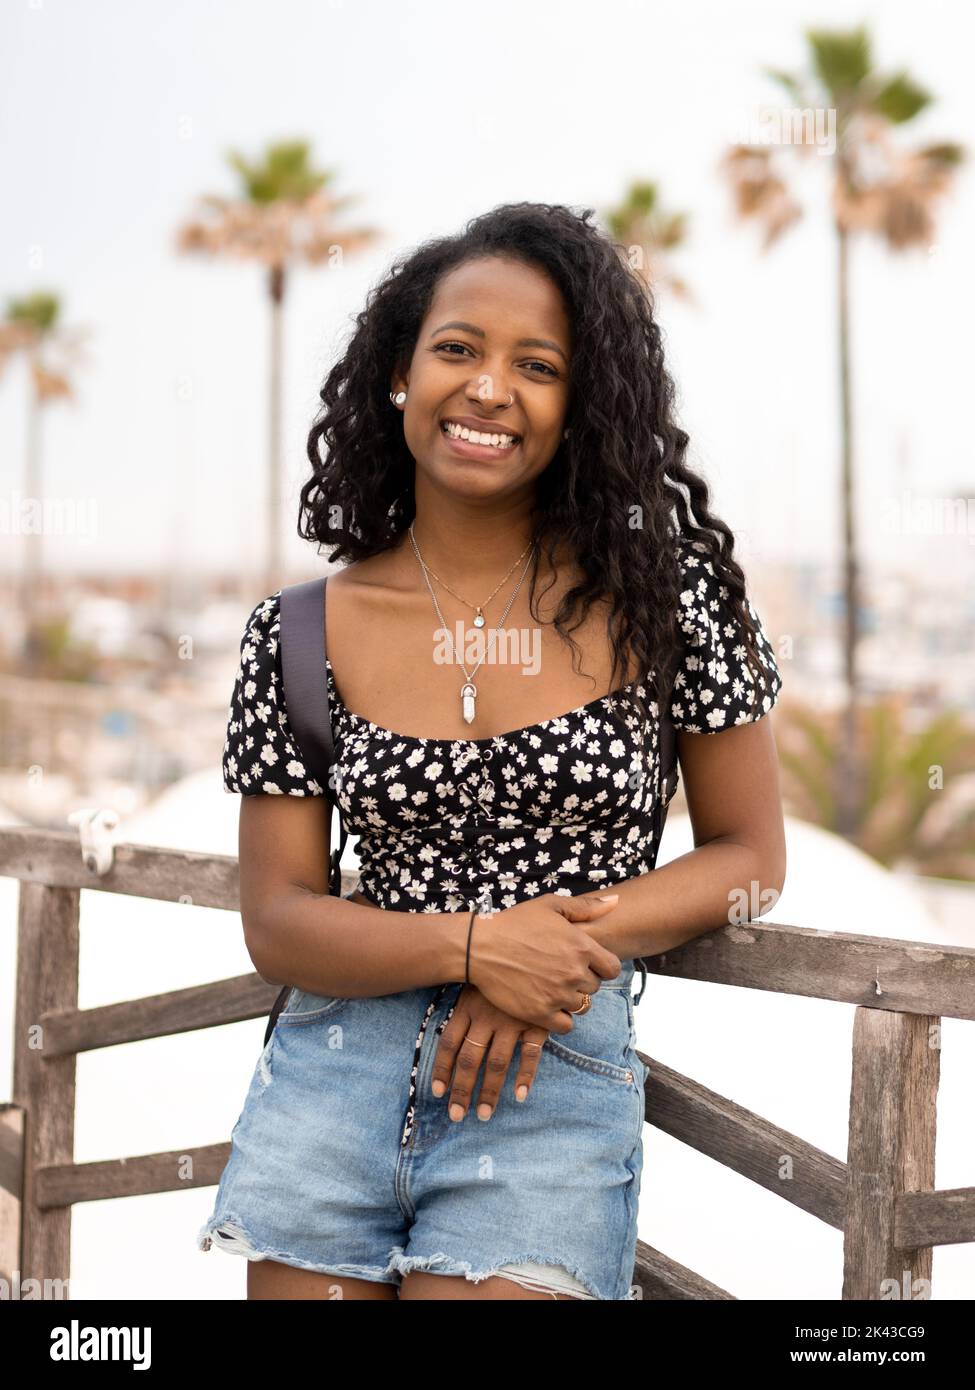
<point x="470" y="545"/>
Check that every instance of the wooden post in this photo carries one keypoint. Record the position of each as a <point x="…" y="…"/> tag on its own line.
<point x="47" y="979"/>
<point x="893" y="1111"/>
<point x="11" y="1190"/>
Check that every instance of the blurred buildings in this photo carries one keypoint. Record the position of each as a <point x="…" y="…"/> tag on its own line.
<point x="139" y="670"/>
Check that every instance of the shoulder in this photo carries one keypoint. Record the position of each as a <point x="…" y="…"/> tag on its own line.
<point x="374" y="594"/>
<point x="259" y="642"/>
<point x="716" y="685"/>
<point x="365" y="585"/>
<point x="375" y="577"/>
<point x="256" y="698"/>
<point x="260" y="753"/>
<point x="702" y="588"/>
<point x="697" y="559"/>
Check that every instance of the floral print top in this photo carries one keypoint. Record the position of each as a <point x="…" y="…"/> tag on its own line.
<point x="562" y="806"/>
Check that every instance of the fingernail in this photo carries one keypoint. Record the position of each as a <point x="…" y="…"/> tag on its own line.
<point x="484" y="1112"/>
<point x="456" y="1111"/>
<point x="608" y="897"/>
<point x="521" y="1092"/>
<point x="438" y="1087"/>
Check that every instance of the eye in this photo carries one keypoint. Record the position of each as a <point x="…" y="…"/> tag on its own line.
<point x="548" y="369"/>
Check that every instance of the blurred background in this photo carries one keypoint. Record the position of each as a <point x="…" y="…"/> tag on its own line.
<point x="198" y="199"/>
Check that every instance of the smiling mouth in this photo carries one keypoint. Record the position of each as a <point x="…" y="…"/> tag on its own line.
<point x="491" y="442"/>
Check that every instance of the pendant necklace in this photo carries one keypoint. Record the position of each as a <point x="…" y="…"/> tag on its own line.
<point x="479" y="618"/>
<point x="468" y="691"/>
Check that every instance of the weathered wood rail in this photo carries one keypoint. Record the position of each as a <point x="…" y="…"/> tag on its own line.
<point x="883" y="1197"/>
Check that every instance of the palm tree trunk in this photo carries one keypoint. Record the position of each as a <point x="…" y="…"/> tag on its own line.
<point x="273" y="578"/>
<point x="34" y="512"/>
<point x="847" y="767"/>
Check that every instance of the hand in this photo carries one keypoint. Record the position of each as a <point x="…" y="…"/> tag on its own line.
<point x="535" y="961"/>
<point x="477" y="1033"/>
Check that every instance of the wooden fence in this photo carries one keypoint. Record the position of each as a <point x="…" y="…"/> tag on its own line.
<point x="883" y="1197"/>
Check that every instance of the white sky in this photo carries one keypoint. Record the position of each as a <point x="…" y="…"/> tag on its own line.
<point x="115" y="116"/>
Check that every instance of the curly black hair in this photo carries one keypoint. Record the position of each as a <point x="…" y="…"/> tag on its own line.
<point x="611" y="489"/>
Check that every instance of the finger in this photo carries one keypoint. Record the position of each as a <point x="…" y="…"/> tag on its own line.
<point x="573" y="996"/>
<point x="563" y="1022"/>
<point x="603" y="963"/>
<point x="447" y="1048"/>
<point x="588" y="983"/>
<point x="496" y="1064"/>
<point x="585" y="905"/>
<point x="532" y="1042"/>
<point x="466" y="1066"/>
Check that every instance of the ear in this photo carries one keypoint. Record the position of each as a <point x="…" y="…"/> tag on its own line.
<point x="400" y="381"/>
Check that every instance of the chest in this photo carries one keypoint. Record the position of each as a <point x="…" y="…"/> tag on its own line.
<point x="397" y="667"/>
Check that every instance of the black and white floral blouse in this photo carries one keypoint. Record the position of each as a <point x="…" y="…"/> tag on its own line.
<point x="562" y="806"/>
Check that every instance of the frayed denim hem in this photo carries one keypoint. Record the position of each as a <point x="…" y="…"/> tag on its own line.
<point x="444" y="1264"/>
<point x="229" y="1235"/>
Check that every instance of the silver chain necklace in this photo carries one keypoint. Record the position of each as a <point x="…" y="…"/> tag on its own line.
<point x="468" y="691"/>
<point x="479" y="618"/>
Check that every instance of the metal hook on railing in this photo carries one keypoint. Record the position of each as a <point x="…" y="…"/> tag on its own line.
<point x="97" y="846"/>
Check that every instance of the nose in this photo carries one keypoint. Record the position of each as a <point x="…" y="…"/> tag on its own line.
<point x="490" y="390"/>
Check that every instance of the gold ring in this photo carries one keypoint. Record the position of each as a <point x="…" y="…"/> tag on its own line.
<point x="586" y="1004"/>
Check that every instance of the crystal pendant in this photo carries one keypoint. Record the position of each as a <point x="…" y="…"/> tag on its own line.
<point x="467" y="694"/>
<point x="479" y="620"/>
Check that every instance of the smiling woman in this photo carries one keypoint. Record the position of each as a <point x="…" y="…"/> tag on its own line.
<point x="501" y="295"/>
<point x="497" y="424"/>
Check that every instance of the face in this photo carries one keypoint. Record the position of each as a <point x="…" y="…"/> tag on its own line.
<point x="492" y="355"/>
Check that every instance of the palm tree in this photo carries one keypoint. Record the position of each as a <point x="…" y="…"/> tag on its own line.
<point x="917" y="811"/>
<point x="32" y="327"/>
<point x="649" y="234"/>
<point x="284" y="215"/>
<point x="878" y="189"/>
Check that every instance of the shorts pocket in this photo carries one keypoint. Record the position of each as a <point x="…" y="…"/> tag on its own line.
<point x="599" y="1043"/>
<point x="303" y="1007"/>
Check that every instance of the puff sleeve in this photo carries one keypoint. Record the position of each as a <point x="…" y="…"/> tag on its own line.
<point x="260" y="753"/>
<point x="714" y="688"/>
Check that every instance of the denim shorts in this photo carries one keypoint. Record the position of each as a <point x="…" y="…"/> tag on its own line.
<point x="320" y="1178"/>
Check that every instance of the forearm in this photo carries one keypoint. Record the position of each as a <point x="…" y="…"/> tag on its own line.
<point x="327" y="945"/>
<point x="719" y="882"/>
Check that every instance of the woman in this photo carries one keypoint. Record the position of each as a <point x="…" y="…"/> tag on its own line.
<point x="495" y="456"/>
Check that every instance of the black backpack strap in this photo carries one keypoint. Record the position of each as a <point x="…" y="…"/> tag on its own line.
<point x="302" y="639"/>
<point x="304" y="646"/>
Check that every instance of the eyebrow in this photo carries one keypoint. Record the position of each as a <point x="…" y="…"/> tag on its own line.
<point x="522" y="342"/>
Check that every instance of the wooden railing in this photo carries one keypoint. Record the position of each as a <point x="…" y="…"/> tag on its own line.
<point x="882" y="1198"/>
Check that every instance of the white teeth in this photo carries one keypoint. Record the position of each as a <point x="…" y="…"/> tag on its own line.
<point x="496" y="441"/>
